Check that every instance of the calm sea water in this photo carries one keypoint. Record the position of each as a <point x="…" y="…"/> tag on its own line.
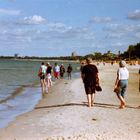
<point x="19" y="87"/>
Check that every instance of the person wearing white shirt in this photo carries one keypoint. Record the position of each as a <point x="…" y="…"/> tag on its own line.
<point x="122" y="82"/>
<point x="42" y="74"/>
<point x="56" y="71"/>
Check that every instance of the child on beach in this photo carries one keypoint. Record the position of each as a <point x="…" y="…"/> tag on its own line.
<point x="121" y="82"/>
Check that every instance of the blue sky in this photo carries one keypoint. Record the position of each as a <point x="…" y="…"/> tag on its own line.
<point x="60" y="27"/>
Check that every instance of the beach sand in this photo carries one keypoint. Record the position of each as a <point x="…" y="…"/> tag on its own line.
<point x="63" y="113"/>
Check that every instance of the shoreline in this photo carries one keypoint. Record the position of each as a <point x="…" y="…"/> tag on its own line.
<point x="22" y="77"/>
<point x="18" y="104"/>
<point x="63" y="113"/>
<point x="133" y="62"/>
<point x="39" y="60"/>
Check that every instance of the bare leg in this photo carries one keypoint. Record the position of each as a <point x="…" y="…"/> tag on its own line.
<point x="92" y="99"/>
<point x="46" y="86"/>
<point x="44" y="82"/>
<point x="89" y="100"/>
<point x="50" y="81"/>
<point x="70" y="75"/>
<point x="121" y="100"/>
<point x="47" y="82"/>
<point x="43" y="85"/>
<point x="122" y="103"/>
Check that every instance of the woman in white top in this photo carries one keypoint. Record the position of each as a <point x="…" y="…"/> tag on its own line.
<point x="56" y="71"/>
<point x="122" y="82"/>
<point x="42" y="74"/>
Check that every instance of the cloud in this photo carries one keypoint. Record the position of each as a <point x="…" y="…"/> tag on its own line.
<point x="138" y="35"/>
<point x="122" y="29"/>
<point x="117" y="30"/>
<point x="118" y="46"/>
<point x="14" y="36"/>
<point x="134" y="15"/>
<point x="49" y="33"/>
<point x="62" y="31"/>
<point x="59" y="27"/>
<point x="100" y="19"/>
<point x="9" y="12"/>
<point x="125" y="34"/>
<point x="32" y="20"/>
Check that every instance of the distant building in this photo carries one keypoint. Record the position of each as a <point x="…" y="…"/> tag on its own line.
<point x="74" y="54"/>
<point x="16" y="55"/>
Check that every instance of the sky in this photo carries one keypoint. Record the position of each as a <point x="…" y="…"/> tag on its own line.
<point x="48" y="28"/>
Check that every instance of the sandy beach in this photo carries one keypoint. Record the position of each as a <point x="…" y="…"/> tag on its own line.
<point x="63" y="114"/>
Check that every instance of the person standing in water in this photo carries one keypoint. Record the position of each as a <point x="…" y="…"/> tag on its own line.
<point x="56" y="70"/>
<point x="42" y="75"/>
<point x="62" y="71"/>
<point x="48" y="75"/>
<point x="69" y="70"/>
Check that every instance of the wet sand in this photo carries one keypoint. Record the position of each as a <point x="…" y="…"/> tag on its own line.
<point x="63" y="113"/>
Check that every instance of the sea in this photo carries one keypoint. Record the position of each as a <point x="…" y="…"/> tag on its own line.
<point x="20" y="89"/>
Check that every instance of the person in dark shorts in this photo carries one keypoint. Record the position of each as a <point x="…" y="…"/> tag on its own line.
<point x="90" y="76"/>
<point x="42" y="75"/>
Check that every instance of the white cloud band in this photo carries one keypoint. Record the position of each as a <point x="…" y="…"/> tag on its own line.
<point x="9" y="12"/>
<point x="134" y="15"/>
<point x="32" y="20"/>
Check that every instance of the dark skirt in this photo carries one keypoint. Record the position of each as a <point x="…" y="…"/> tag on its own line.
<point x="42" y="77"/>
<point x="89" y="89"/>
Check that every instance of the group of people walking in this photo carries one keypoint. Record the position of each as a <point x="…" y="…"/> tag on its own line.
<point x="90" y="77"/>
<point x="45" y="76"/>
<point x="46" y="71"/>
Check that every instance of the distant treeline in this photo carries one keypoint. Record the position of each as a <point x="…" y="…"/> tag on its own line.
<point x="133" y="52"/>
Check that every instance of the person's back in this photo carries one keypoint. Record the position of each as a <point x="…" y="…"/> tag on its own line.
<point x="121" y="83"/>
<point x="90" y="72"/>
<point x="69" y="70"/>
<point x="43" y="69"/>
<point x="42" y="74"/>
<point x="49" y="69"/>
<point x="83" y="63"/>
<point x="89" y="77"/>
<point x="62" y="70"/>
<point x="56" y="70"/>
<point x="49" y="77"/>
<point x="123" y="73"/>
